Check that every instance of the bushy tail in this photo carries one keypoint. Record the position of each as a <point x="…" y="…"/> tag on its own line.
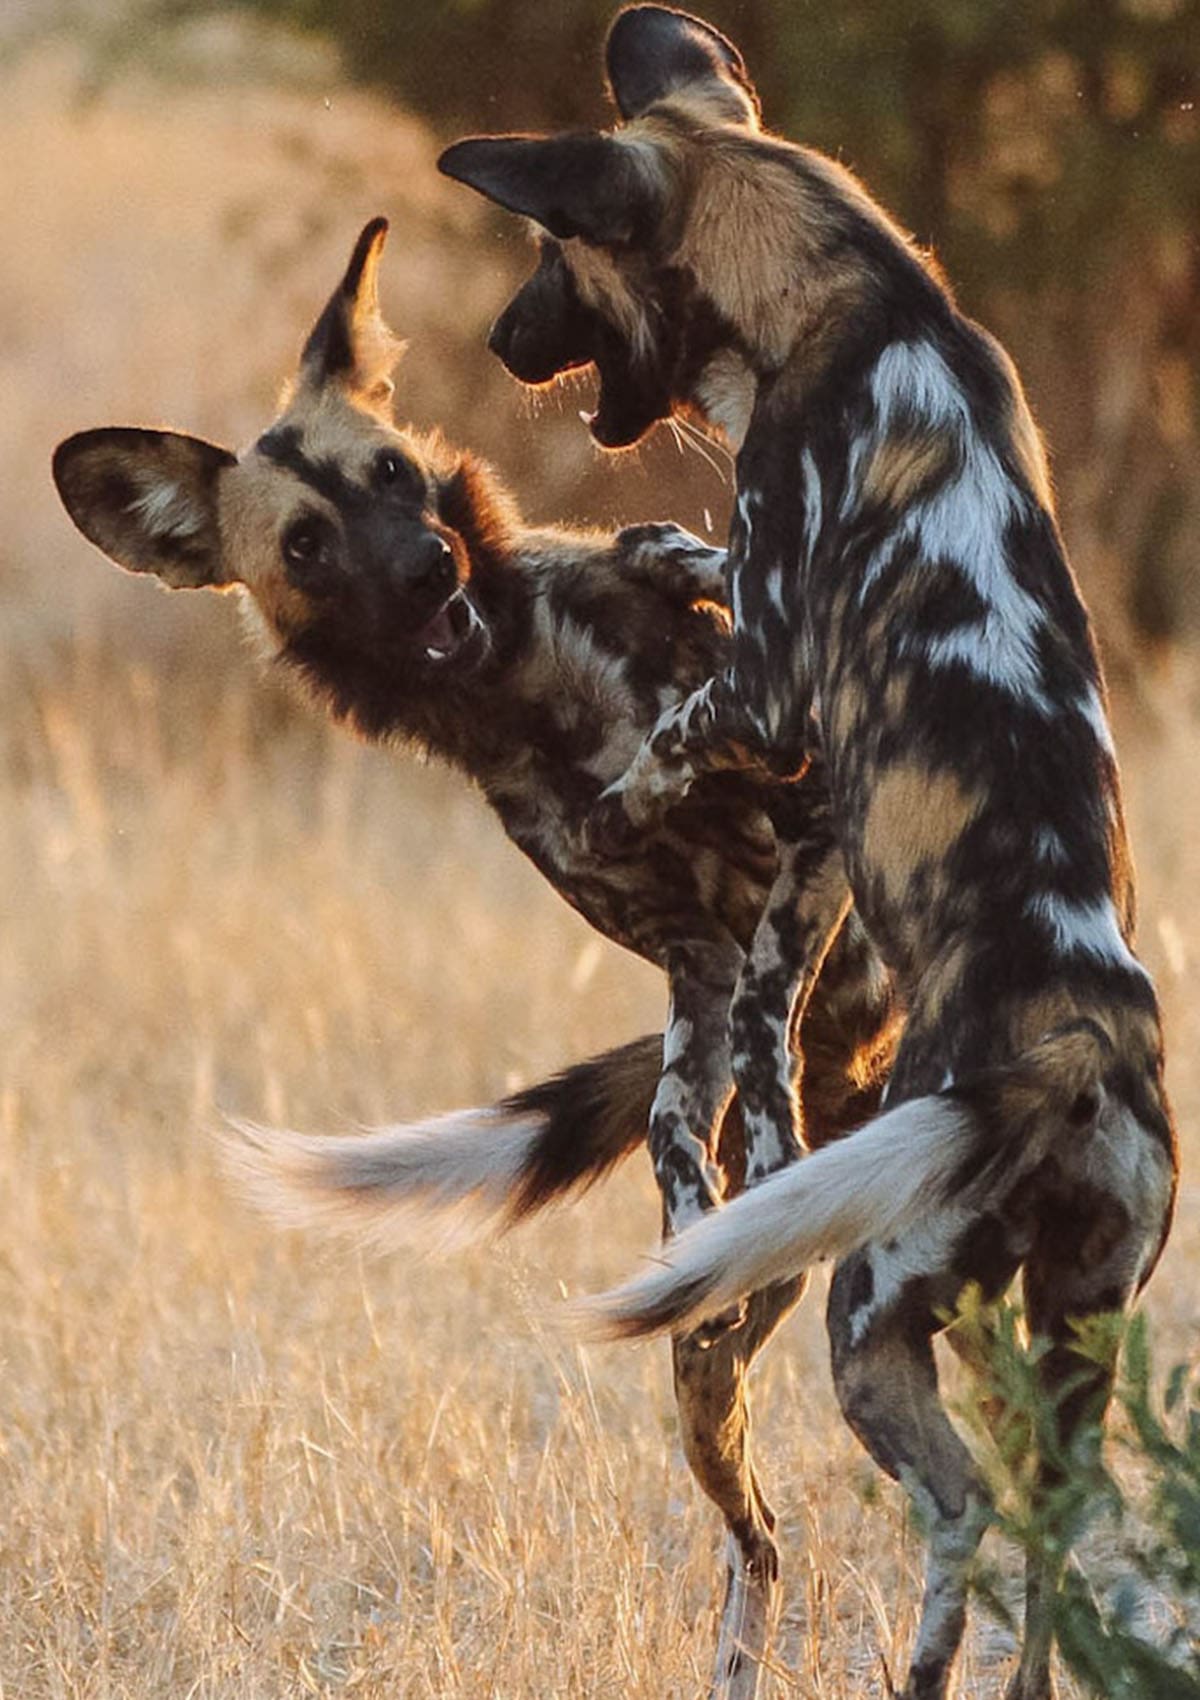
<point x="467" y="1173"/>
<point x="953" y="1145"/>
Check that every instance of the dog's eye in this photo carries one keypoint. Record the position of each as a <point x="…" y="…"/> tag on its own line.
<point x="394" y="471"/>
<point x="302" y="543"/>
<point x="309" y="550"/>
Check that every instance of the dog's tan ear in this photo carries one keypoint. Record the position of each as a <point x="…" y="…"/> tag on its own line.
<point x="587" y="184"/>
<point x="350" y="343"/>
<point x="148" y="499"/>
<point x="655" y="52"/>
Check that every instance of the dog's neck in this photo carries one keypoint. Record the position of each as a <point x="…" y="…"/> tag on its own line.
<point x="725" y="395"/>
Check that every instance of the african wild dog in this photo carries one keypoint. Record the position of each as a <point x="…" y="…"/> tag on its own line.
<point x="391" y="575"/>
<point x="902" y="605"/>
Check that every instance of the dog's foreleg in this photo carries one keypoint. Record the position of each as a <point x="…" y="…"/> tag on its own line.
<point x="696" y="1083"/>
<point x="757" y="714"/>
<point x="676" y="562"/>
<point x="707" y="731"/>
<point x="807" y="906"/>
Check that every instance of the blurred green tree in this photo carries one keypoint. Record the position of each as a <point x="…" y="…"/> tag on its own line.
<point x="1048" y="149"/>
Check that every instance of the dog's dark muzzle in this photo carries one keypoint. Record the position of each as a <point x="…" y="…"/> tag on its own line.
<point x="536" y="352"/>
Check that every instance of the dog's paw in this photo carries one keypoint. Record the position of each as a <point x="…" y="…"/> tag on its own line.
<point x="609" y="829"/>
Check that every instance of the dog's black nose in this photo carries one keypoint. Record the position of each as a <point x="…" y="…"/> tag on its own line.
<point x="432" y="562"/>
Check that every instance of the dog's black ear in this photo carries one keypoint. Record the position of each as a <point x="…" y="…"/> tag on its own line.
<point x="350" y="343"/>
<point x="655" y="51"/>
<point x="148" y="499"/>
<point x="585" y="184"/>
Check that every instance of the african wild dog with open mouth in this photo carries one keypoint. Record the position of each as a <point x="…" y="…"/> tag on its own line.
<point x="392" y="576"/>
<point x="903" y="607"/>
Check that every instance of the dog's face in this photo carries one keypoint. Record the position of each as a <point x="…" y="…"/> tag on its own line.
<point x="332" y="521"/>
<point x="648" y="233"/>
<point x="549" y="329"/>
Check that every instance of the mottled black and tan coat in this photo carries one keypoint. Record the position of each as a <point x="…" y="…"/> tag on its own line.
<point x="392" y="576"/>
<point x="904" y="613"/>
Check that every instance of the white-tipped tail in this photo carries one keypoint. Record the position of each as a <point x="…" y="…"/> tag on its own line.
<point x="867" y="1186"/>
<point x="450" y="1178"/>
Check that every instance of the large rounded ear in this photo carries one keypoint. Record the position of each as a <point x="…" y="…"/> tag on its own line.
<point x="148" y="499"/>
<point x="654" y="52"/>
<point x="587" y="184"/>
<point x="350" y="343"/>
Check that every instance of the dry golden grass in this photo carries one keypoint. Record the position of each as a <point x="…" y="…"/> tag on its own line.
<point x="236" y="1463"/>
<point x="233" y="1463"/>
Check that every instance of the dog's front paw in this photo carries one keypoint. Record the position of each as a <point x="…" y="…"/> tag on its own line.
<point x="609" y="829"/>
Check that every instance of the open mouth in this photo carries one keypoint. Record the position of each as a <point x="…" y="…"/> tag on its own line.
<point x="455" y="627"/>
<point x="625" y="409"/>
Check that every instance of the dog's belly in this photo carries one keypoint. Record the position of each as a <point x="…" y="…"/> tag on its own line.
<point x="704" y="877"/>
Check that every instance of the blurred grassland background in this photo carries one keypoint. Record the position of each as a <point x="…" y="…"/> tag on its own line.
<point x="233" y="1463"/>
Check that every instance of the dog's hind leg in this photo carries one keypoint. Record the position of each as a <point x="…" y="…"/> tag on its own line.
<point x="1097" y="1248"/>
<point x="714" y="1417"/>
<point x="881" y="1328"/>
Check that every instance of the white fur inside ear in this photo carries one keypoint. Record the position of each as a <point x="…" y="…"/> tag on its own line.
<point x="166" y="509"/>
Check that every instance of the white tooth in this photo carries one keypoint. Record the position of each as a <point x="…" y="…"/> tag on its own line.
<point x="586" y="416"/>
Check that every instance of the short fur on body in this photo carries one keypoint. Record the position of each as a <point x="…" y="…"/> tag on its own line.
<point x="904" y="611"/>
<point x="391" y="575"/>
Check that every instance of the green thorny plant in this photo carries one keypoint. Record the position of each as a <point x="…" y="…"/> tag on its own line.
<point x="1136" y="1499"/>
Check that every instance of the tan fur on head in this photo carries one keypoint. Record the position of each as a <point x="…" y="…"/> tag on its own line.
<point x="755" y="241"/>
<point x="601" y="286"/>
<point x="716" y="102"/>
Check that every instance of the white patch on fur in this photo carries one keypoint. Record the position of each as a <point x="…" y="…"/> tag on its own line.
<point x="1049" y="847"/>
<point x="167" y="510"/>
<point x="1084" y="929"/>
<point x="926" y="1249"/>
<point x="998" y="650"/>
<point x="725" y="393"/>
<point x="963" y="522"/>
<point x="912" y="377"/>
<point x="736" y="605"/>
<point x="813" y="503"/>
<point x="747" y="501"/>
<point x="1125" y="1160"/>
<point x="1092" y="708"/>
<point x="682" y="1206"/>
<point x="447" y="1178"/>
<point x="869" y="1186"/>
<point x="676" y="1039"/>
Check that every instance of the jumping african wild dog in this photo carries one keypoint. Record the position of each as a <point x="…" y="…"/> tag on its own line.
<point x="391" y="575"/>
<point x="903" y="608"/>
